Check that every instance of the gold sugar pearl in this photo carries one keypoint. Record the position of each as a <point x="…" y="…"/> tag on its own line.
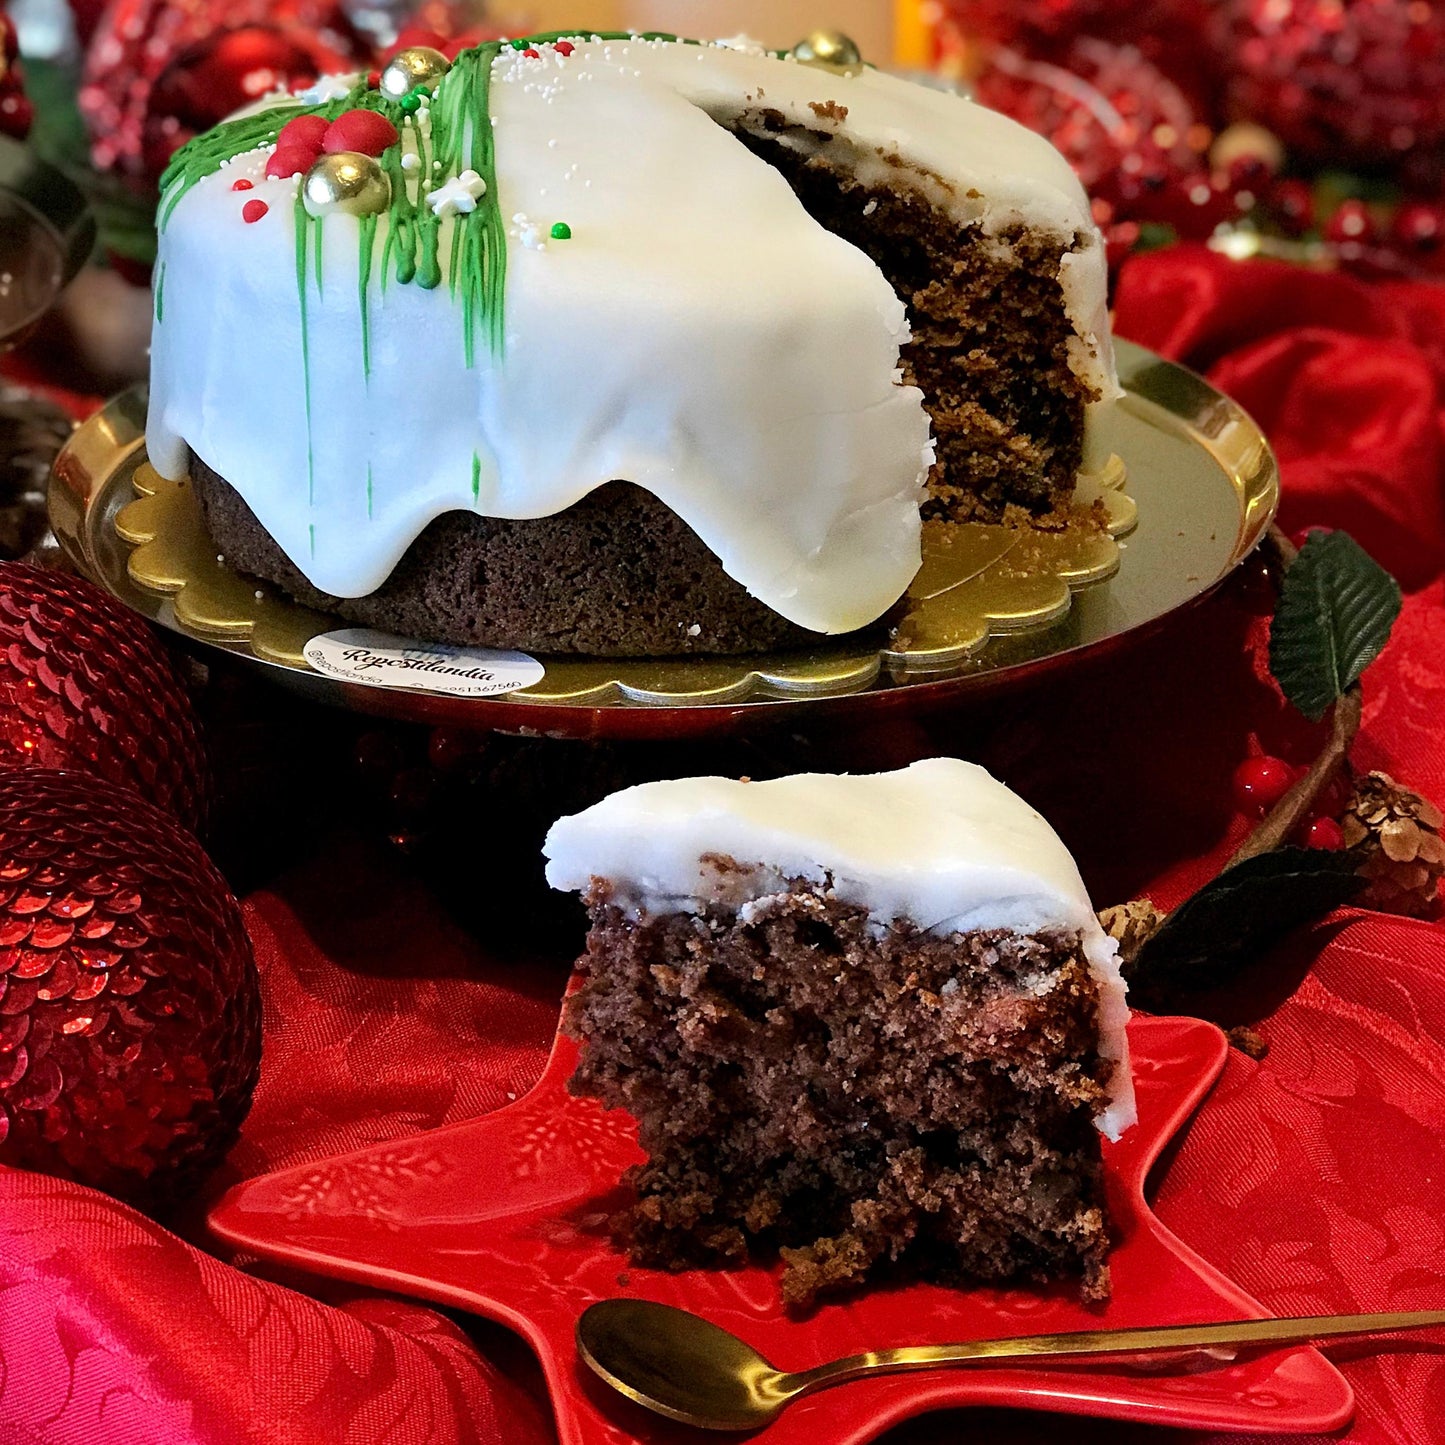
<point x="829" y="50"/>
<point x="416" y="65"/>
<point x="346" y="182"/>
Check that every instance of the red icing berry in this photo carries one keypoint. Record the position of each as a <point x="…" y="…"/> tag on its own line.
<point x="1259" y="783"/>
<point x="304" y="130"/>
<point x="564" y="47"/>
<point x="242" y="185"/>
<point x="291" y="161"/>
<point x="253" y="211"/>
<point x="366" y="131"/>
<point x="532" y="53"/>
<point x="1326" y="834"/>
<point x="1351" y="222"/>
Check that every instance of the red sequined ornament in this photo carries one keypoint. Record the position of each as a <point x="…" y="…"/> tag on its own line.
<point x="130" y="1022"/>
<point x="85" y="685"/>
<point x="158" y="72"/>
<point x="1341" y="82"/>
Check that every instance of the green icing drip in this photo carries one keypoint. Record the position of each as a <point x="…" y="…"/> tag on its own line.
<point x="368" y="241"/>
<point x="303" y="229"/>
<point x="161" y="293"/>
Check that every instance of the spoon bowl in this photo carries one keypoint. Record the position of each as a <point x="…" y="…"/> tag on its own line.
<point x="680" y="1365"/>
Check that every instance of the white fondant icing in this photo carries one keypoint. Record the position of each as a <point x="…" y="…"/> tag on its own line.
<point x="700" y="335"/>
<point x="940" y="843"/>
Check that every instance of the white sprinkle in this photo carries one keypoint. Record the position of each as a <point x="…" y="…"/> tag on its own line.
<point x="870" y="207"/>
<point x="410" y="161"/>
<point x="695" y="630"/>
<point x="552" y="144"/>
<point x="260" y="596"/>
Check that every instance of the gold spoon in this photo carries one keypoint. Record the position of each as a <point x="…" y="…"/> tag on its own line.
<point x="679" y="1365"/>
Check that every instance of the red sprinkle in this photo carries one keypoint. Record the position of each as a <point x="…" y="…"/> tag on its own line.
<point x="564" y="47"/>
<point x="366" y="131"/>
<point x="303" y="130"/>
<point x="253" y="211"/>
<point x="532" y="54"/>
<point x="242" y="185"/>
<point x="373" y="79"/>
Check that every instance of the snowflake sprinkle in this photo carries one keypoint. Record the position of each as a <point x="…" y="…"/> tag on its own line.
<point x="458" y="196"/>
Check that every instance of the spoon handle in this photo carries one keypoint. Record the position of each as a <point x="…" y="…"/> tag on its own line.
<point x="1085" y="1343"/>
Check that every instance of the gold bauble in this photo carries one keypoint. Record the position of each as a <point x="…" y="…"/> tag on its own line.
<point x="416" y="65"/>
<point x="829" y="50"/>
<point x="348" y="182"/>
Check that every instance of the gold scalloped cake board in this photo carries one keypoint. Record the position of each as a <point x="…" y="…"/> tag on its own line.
<point x="976" y="580"/>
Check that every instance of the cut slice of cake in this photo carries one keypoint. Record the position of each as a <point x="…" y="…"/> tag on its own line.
<point x="866" y="1020"/>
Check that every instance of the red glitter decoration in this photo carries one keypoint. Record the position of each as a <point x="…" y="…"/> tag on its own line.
<point x="252" y="211"/>
<point x="1341" y="82"/>
<point x="366" y="131"/>
<point x="85" y="685"/>
<point x="242" y="185"/>
<point x="158" y="72"/>
<point x="130" y="1028"/>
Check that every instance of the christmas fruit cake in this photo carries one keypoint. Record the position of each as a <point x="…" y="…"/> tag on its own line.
<point x="624" y="346"/>
<point x="868" y="1020"/>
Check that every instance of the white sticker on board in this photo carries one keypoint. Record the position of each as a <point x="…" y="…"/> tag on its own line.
<point x="378" y="659"/>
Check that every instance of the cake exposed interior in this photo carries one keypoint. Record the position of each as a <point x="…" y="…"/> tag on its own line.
<point x="853" y="1098"/>
<point x="991" y="338"/>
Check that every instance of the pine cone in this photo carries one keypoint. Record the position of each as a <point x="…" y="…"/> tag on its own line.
<point x="1395" y="834"/>
<point x="1131" y="925"/>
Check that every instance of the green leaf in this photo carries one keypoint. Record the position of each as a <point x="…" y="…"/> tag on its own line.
<point x="1240" y="916"/>
<point x="1336" y="609"/>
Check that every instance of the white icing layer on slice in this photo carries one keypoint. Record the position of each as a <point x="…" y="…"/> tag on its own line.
<point x="941" y="843"/>
<point x="699" y="335"/>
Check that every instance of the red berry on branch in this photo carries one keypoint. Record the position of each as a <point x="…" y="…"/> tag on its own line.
<point x="366" y="131"/>
<point x="131" y="1016"/>
<point x="1292" y="203"/>
<point x="1259" y="783"/>
<point x="1419" y="227"/>
<point x="1324" y="834"/>
<point x="1351" y="223"/>
<point x="85" y="685"/>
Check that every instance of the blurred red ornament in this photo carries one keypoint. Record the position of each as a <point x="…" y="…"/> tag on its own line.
<point x="85" y="685"/>
<point x="1130" y="133"/>
<point x="16" y="112"/>
<point x="158" y="72"/>
<point x="1342" y="82"/>
<point x="1351" y="223"/>
<point x="130" y="1022"/>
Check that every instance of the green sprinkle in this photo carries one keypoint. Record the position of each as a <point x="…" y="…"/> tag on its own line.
<point x="410" y="102"/>
<point x="312" y="530"/>
<point x="161" y="293"/>
<point x="561" y="231"/>
<point x="520" y="44"/>
<point x="368" y="489"/>
<point x="476" y="476"/>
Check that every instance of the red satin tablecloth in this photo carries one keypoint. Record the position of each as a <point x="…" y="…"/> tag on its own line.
<point x="1315" y="1178"/>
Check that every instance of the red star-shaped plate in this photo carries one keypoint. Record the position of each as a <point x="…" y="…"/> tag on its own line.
<point x="505" y="1216"/>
